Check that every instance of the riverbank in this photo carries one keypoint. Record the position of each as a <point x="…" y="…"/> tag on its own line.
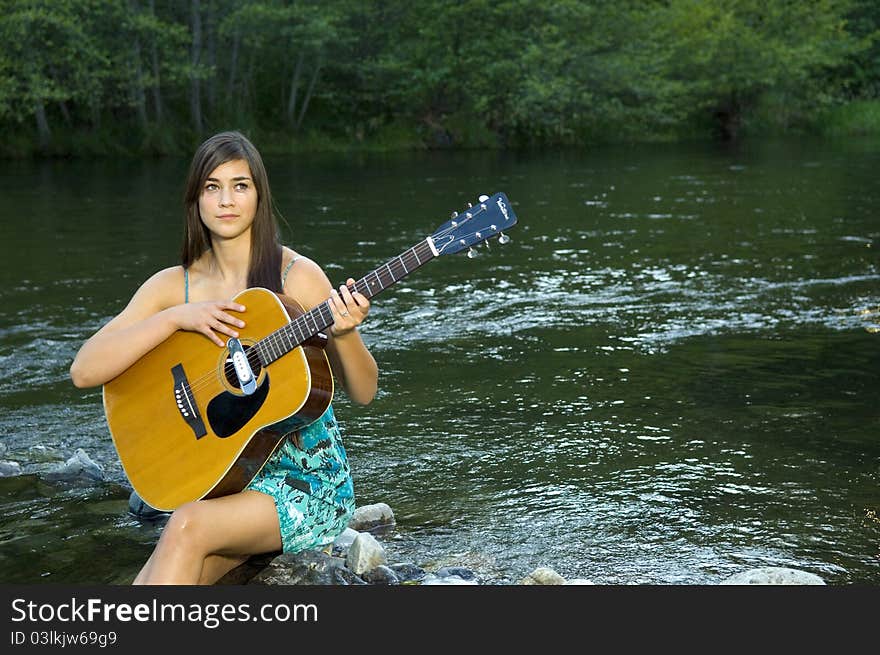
<point x="859" y="118"/>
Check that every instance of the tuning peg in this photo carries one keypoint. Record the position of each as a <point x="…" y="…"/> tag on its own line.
<point x="472" y="253"/>
<point x="503" y="238"/>
<point x="483" y="198"/>
<point x="469" y="205"/>
<point x="454" y="214"/>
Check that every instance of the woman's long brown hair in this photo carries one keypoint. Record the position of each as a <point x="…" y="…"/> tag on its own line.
<point x="264" y="269"/>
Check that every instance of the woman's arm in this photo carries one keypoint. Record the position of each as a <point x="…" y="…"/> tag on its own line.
<point x="352" y="363"/>
<point x="151" y="316"/>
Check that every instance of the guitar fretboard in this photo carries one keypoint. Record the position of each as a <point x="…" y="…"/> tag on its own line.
<point x="319" y="318"/>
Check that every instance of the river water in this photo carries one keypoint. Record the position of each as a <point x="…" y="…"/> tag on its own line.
<point x="670" y="375"/>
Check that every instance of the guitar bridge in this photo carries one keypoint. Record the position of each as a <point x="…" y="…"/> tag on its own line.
<point x="186" y="404"/>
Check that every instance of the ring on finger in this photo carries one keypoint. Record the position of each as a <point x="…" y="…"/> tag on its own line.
<point x="343" y="313"/>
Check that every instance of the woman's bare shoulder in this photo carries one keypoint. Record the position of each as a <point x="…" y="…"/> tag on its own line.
<point x="164" y="288"/>
<point x="305" y="280"/>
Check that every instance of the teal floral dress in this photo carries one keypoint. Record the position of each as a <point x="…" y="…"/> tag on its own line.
<point x="311" y="485"/>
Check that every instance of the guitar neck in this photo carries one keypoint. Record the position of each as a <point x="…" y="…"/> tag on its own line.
<point x="320" y="318"/>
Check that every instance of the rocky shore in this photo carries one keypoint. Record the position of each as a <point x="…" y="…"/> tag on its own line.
<point x="357" y="556"/>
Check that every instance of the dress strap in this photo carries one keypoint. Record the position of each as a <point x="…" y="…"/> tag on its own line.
<point x="186" y="285"/>
<point x="287" y="270"/>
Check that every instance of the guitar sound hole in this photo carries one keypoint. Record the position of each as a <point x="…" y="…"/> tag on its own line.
<point x="229" y="369"/>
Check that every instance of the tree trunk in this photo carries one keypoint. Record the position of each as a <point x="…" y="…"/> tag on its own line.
<point x="65" y="112"/>
<point x="140" y="99"/>
<point x="305" y="104"/>
<point x="294" y="87"/>
<point x="43" y="132"/>
<point x="62" y="104"/>
<point x="195" y="92"/>
<point x="248" y="92"/>
<point x="233" y="65"/>
<point x="211" y="38"/>
<point x="156" y="88"/>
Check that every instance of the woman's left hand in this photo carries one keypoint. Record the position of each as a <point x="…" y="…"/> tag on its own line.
<point x="349" y="308"/>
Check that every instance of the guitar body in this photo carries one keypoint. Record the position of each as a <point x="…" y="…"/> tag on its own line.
<point x="182" y="425"/>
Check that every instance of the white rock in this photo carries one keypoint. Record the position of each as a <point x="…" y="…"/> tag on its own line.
<point x="9" y="469"/>
<point x="543" y="575"/>
<point x="365" y="553"/>
<point x="371" y="516"/>
<point x="79" y="464"/>
<point x="774" y="575"/>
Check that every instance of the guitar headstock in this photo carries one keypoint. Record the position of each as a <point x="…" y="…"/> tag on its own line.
<point x="479" y="222"/>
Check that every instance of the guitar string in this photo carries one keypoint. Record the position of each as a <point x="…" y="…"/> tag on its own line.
<point x="275" y="341"/>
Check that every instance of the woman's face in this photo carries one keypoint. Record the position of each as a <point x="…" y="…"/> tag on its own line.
<point x="228" y="200"/>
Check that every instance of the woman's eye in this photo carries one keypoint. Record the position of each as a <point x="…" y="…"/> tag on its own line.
<point x="241" y="186"/>
<point x="210" y="187"/>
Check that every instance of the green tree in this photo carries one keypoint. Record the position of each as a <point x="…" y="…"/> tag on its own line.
<point x="724" y="56"/>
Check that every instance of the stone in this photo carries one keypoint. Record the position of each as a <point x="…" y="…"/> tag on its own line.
<point x="79" y="465"/>
<point x="365" y="553"/>
<point x="543" y="575"/>
<point x="9" y="469"/>
<point x="774" y="575"/>
<point x="344" y="541"/>
<point x="142" y="510"/>
<point x="372" y="517"/>
<point x="309" y="567"/>
<point x="408" y="572"/>
<point x="381" y="575"/>
<point x="458" y="571"/>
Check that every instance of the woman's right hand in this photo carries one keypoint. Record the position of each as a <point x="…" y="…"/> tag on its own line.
<point x="209" y="318"/>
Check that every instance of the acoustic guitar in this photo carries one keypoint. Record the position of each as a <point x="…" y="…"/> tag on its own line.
<point x="190" y="420"/>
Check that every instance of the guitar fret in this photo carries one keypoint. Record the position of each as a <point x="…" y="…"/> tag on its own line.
<point x="327" y="313"/>
<point x="403" y="263"/>
<point x="279" y="340"/>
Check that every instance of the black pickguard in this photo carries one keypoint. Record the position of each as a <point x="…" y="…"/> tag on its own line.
<point x="228" y="412"/>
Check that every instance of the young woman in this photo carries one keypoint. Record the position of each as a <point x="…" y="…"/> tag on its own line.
<point x="231" y="243"/>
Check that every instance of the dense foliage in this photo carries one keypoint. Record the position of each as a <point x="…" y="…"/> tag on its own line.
<point x="157" y="75"/>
